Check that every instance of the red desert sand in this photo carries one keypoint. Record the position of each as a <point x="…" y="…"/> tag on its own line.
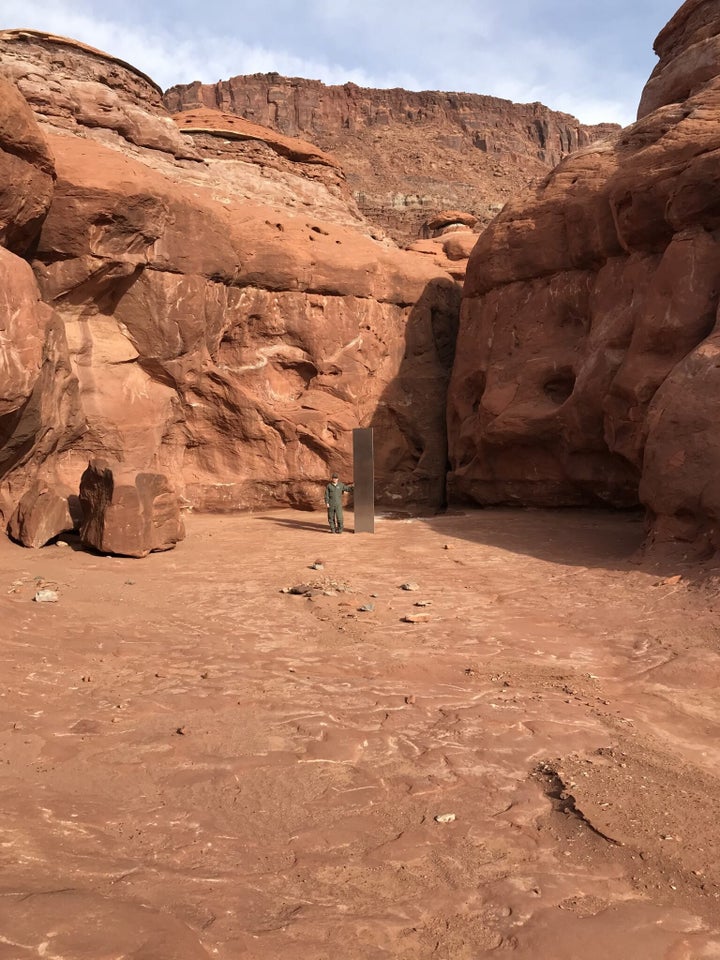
<point x="196" y="762"/>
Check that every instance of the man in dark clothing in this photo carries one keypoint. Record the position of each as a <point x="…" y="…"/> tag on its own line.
<point x="333" y="501"/>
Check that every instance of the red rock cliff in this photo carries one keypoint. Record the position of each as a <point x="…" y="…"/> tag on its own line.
<point x="589" y="351"/>
<point x="407" y="155"/>
<point x="202" y="302"/>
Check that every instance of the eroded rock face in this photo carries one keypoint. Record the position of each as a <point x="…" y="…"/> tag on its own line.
<point x="38" y="390"/>
<point x="227" y="320"/>
<point x="447" y="221"/>
<point x="126" y="513"/>
<point x="588" y="337"/>
<point x="484" y="149"/>
<point x="26" y="171"/>
<point x="37" y="395"/>
<point x="76" y="87"/>
<point x="689" y="51"/>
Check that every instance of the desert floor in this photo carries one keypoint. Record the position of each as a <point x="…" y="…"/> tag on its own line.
<point x="194" y="763"/>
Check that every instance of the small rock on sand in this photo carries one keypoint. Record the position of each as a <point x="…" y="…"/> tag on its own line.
<point x="46" y="596"/>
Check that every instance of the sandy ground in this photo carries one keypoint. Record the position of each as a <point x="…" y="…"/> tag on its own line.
<point x="195" y="764"/>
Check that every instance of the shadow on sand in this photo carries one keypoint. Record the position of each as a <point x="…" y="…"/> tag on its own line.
<point x="321" y="526"/>
<point x="572" y="536"/>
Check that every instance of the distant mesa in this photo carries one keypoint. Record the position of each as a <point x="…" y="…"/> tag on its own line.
<point x="406" y="155"/>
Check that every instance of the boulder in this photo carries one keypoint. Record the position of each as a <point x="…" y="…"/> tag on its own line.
<point x="42" y="514"/>
<point x="459" y="245"/>
<point x="128" y="513"/>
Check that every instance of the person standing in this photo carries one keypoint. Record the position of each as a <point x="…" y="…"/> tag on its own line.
<point x="333" y="501"/>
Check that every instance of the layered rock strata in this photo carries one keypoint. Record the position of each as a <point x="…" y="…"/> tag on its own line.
<point x="589" y="344"/>
<point x="406" y="155"/>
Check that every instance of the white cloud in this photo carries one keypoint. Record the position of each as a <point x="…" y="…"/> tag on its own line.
<point x="499" y="47"/>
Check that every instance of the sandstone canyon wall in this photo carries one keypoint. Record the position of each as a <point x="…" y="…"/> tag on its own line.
<point x="588" y="361"/>
<point x="407" y="155"/>
<point x="199" y="300"/>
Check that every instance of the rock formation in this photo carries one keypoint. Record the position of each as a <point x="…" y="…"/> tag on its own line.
<point x="201" y="301"/>
<point x="406" y="155"/>
<point x="126" y="513"/>
<point x="589" y="344"/>
<point x="42" y="514"/>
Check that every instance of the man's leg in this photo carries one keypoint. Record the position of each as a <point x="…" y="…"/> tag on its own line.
<point x="339" y="520"/>
<point x="331" y="520"/>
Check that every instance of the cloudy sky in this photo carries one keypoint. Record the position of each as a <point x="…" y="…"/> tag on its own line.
<point x="590" y="58"/>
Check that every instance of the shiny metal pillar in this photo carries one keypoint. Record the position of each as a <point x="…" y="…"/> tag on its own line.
<point x="364" y="480"/>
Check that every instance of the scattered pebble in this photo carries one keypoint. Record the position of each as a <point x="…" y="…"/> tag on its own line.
<point x="445" y="818"/>
<point x="416" y="618"/>
<point x="410" y="699"/>
<point x="423" y="603"/>
<point x="366" y="608"/>
<point x="300" y="590"/>
<point x="318" y="565"/>
<point x="204" y="676"/>
<point x="409" y="586"/>
<point x="46" y="596"/>
<point x="180" y="731"/>
<point x="668" y="581"/>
